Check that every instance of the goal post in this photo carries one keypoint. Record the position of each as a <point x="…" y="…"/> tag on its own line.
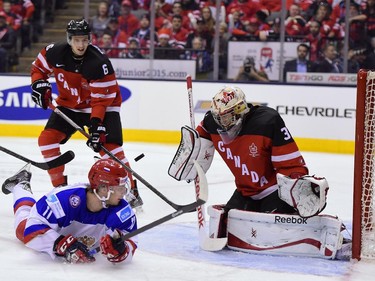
<point x="364" y="168"/>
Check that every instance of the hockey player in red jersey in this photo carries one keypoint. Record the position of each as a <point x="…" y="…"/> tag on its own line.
<point x="275" y="207"/>
<point x="255" y="144"/>
<point x="88" y="93"/>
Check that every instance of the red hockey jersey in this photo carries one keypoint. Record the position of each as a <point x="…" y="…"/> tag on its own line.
<point x="87" y="85"/>
<point x="262" y="148"/>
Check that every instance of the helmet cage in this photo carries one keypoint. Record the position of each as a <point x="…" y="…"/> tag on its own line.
<point x="227" y="136"/>
<point x="228" y="118"/>
<point x="123" y="185"/>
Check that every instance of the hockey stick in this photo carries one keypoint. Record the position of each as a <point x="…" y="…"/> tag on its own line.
<point x="59" y="161"/>
<point x="205" y="242"/>
<point x="203" y="195"/>
<point x="110" y="154"/>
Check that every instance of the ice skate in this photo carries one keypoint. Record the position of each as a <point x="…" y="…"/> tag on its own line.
<point x="22" y="176"/>
<point x="135" y="199"/>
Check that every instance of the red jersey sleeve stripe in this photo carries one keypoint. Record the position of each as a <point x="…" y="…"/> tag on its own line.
<point x="286" y="157"/>
<point x="43" y="61"/>
<point x="103" y="84"/>
<point x="103" y="96"/>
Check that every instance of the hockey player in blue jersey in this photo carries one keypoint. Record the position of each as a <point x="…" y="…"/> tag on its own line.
<point x="71" y="221"/>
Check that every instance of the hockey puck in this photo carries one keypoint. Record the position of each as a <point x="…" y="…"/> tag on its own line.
<point x="139" y="157"/>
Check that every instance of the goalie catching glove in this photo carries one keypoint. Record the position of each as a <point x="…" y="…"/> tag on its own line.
<point x="306" y="194"/>
<point x="114" y="247"/>
<point x="72" y="250"/>
<point x="192" y="147"/>
<point x="42" y="93"/>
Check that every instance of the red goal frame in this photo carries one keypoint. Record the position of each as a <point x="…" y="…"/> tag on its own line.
<point x="364" y="142"/>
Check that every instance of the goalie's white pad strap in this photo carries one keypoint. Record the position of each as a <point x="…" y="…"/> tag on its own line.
<point x="191" y="148"/>
<point x="306" y="194"/>
<point x="216" y="213"/>
<point x="277" y="234"/>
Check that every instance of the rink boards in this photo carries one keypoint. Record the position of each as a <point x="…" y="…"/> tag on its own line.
<point x="320" y="118"/>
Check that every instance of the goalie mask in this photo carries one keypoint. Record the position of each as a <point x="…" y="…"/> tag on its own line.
<point x="107" y="173"/>
<point x="228" y="108"/>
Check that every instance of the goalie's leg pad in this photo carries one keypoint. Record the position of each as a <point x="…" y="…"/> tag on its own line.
<point x="278" y="234"/>
<point x="306" y="194"/>
<point x="191" y="148"/>
<point x="217" y="222"/>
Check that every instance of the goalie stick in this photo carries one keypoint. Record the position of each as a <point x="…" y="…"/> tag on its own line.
<point x="182" y="209"/>
<point x="110" y="154"/>
<point x="205" y="242"/>
<point x="59" y="161"/>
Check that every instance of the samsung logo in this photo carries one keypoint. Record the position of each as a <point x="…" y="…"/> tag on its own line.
<point x="16" y="103"/>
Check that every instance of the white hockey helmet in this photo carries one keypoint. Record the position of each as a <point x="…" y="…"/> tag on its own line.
<point x="228" y="106"/>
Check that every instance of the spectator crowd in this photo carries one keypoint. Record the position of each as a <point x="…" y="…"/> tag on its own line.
<point x="185" y="29"/>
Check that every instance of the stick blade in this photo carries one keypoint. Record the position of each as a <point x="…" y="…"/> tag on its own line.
<point x="212" y="244"/>
<point x="59" y="161"/>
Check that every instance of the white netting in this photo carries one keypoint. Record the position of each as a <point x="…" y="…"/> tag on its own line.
<point x="367" y="223"/>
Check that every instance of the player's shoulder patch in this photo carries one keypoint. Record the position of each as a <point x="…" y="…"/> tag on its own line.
<point x="55" y="205"/>
<point x="71" y="194"/>
<point x="95" y="55"/>
<point x="54" y="51"/>
<point x="96" y="64"/>
<point x="125" y="213"/>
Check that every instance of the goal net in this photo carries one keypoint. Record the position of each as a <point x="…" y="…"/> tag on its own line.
<point x="364" y="168"/>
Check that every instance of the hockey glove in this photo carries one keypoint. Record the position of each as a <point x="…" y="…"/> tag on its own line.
<point x="114" y="248"/>
<point x="72" y="250"/>
<point x="97" y="135"/>
<point x="42" y="93"/>
<point x="307" y="194"/>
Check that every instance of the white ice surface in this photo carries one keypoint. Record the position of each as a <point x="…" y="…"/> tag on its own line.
<point x="170" y="251"/>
